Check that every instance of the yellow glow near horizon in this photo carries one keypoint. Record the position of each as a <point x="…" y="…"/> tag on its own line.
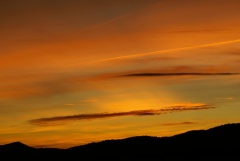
<point x="74" y="72"/>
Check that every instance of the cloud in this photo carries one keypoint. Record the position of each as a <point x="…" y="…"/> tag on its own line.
<point x="196" y="30"/>
<point x="59" y="120"/>
<point x="235" y="53"/>
<point x="70" y="104"/>
<point x="224" y="98"/>
<point x="176" y="74"/>
<point x="179" y="123"/>
<point x="157" y="52"/>
<point x="148" y="59"/>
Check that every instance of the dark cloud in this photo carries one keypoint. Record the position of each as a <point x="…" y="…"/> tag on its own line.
<point x="179" y="123"/>
<point x="58" y="120"/>
<point x="235" y="53"/>
<point x="176" y="74"/>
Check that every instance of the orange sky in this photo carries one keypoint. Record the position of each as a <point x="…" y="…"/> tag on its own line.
<point x="74" y="72"/>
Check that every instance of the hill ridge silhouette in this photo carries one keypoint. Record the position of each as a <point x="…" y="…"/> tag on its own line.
<point x="17" y="144"/>
<point x="214" y="143"/>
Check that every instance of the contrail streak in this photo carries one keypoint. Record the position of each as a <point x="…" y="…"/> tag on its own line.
<point x="165" y="51"/>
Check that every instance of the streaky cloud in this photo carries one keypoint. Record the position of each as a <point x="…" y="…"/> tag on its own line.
<point x="151" y="53"/>
<point x="59" y="120"/>
<point x="195" y="30"/>
<point x="176" y="74"/>
<point x="180" y="123"/>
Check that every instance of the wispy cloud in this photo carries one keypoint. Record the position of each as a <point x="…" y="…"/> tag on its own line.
<point x="166" y="51"/>
<point x="179" y="123"/>
<point x="176" y="74"/>
<point x="70" y="104"/>
<point x="196" y="30"/>
<point x="224" y="98"/>
<point x="58" y="120"/>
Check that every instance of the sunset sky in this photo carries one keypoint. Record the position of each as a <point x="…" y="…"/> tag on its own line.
<point x="79" y="71"/>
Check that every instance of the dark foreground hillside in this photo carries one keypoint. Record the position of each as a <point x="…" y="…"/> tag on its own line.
<point x="221" y="142"/>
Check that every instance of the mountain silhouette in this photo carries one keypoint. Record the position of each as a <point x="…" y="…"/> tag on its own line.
<point x="222" y="142"/>
<point x="16" y="145"/>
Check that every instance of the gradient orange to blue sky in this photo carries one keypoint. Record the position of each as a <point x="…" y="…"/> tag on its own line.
<point x="79" y="71"/>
